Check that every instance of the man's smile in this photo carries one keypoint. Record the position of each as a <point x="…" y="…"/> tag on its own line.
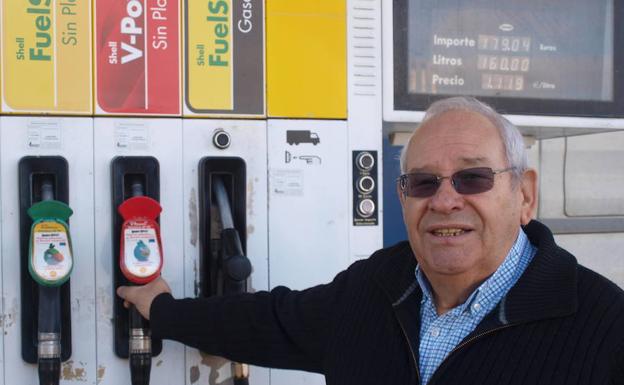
<point x="452" y="232"/>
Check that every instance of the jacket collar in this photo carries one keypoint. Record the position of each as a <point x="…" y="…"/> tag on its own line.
<point x="547" y="288"/>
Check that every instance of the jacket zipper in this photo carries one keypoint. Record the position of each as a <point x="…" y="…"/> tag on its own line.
<point x="458" y="347"/>
<point x="409" y="344"/>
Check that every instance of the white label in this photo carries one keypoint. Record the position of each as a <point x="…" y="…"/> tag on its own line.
<point x="287" y="182"/>
<point x="131" y="136"/>
<point x="141" y="251"/>
<point x="45" y="134"/>
<point x="52" y="259"/>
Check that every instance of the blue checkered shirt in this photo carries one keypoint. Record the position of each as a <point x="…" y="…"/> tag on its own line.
<point x="439" y="335"/>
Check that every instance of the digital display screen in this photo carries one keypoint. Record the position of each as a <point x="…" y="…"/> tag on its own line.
<point x="536" y="49"/>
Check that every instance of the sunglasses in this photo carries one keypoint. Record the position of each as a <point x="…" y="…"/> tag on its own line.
<point x="468" y="181"/>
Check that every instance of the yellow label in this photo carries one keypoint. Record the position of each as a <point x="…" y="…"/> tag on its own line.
<point x="307" y="59"/>
<point x="49" y="226"/>
<point x="209" y="56"/>
<point x="46" y="55"/>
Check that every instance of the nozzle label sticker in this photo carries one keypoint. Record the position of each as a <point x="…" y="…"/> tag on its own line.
<point x="51" y="254"/>
<point x="141" y="251"/>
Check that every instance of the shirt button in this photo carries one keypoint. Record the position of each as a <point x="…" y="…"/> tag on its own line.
<point x="435" y="332"/>
<point x="476" y="307"/>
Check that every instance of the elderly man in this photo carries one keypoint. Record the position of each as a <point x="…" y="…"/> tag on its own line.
<point x="481" y="294"/>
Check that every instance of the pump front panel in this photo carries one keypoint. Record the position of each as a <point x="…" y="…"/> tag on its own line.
<point x="70" y="139"/>
<point x="235" y="151"/>
<point x="160" y="139"/>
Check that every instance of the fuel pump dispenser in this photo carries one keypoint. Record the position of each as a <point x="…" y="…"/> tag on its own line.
<point x="137" y="234"/>
<point x="233" y="152"/>
<point x="225" y="268"/>
<point x="47" y="263"/>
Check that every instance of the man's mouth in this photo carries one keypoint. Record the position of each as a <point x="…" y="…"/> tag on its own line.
<point x="450" y="232"/>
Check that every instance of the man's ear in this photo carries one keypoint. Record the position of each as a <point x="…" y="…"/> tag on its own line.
<point x="400" y="194"/>
<point x="528" y="189"/>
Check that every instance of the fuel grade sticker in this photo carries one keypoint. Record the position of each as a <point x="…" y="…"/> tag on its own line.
<point x="141" y="251"/>
<point x="51" y="251"/>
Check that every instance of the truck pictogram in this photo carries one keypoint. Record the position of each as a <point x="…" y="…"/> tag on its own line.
<point x="302" y="136"/>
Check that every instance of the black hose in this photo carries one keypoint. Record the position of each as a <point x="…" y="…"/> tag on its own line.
<point x="49" y="335"/>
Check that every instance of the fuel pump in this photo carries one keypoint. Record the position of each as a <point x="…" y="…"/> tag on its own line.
<point x="46" y="265"/>
<point x="137" y="234"/>
<point x="225" y="268"/>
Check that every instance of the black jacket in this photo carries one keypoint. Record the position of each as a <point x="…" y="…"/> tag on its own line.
<point x="560" y="324"/>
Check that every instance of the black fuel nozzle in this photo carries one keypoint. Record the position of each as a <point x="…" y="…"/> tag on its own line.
<point x="235" y="266"/>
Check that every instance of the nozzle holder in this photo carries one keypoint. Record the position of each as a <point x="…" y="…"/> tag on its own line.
<point x="232" y="170"/>
<point x="33" y="171"/>
<point x="126" y="173"/>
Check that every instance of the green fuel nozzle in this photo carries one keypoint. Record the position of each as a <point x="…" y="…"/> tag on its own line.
<point x="50" y="263"/>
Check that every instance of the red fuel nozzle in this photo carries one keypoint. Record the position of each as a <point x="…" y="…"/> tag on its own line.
<point x="141" y="256"/>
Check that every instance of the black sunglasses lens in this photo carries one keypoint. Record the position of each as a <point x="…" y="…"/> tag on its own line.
<point x="469" y="181"/>
<point x="421" y="185"/>
<point x="473" y="180"/>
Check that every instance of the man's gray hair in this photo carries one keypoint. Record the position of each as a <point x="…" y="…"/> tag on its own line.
<point x="513" y="143"/>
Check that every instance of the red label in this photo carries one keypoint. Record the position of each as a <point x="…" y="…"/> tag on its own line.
<point x="137" y="56"/>
<point x="140" y="254"/>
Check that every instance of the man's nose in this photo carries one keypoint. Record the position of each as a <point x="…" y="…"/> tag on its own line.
<point x="446" y="199"/>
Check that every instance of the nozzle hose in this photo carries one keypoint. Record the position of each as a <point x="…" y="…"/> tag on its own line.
<point x="49" y="335"/>
<point x="140" y="368"/>
<point x="49" y="371"/>
<point x="140" y="348"/>
<point x="47" y="190"/>
<point x="223" y="202"/>
<point x="136" y="188"/>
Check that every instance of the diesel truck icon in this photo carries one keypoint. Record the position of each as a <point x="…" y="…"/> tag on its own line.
<point x="302" y="136"/>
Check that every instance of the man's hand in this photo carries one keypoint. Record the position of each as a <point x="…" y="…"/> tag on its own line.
<point x="142" y="296"/>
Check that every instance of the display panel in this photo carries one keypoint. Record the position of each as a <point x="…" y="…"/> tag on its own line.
<point x="546" y="57"/>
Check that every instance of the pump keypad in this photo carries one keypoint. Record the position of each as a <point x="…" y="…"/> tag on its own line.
<point x="365" y="188"/>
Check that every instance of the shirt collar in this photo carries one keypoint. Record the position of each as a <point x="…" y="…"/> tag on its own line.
<point x="503" y="278"/>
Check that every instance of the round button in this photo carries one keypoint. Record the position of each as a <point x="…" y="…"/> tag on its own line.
<point x="366" y="184"/>
<point x="366" y="208"/>
<point x="221" y="139"/>
<point x="476" y="307"/>
<point x="365" y="161"/>
<point x="435" y="332"/>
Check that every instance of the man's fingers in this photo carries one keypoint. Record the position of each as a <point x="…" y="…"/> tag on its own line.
<point x="121" y="291"/>
<point x="142" y="296"/>
<point x="125" y="292"/>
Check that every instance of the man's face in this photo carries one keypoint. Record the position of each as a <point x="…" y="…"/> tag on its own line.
<point x="466" y="236"/>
